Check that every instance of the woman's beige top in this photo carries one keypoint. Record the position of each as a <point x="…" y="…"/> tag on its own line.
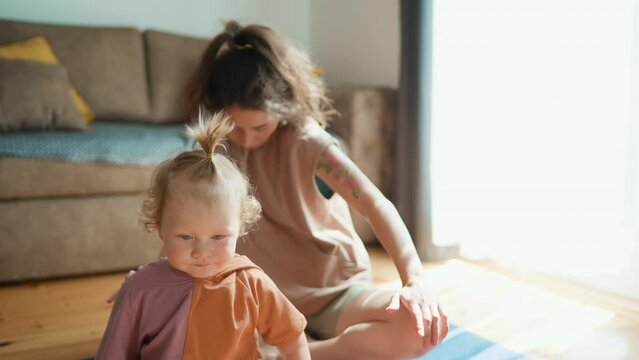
<point x="304" y="242"/>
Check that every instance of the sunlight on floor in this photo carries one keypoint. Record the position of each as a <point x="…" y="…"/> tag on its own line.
<point x="537" y="316"/>
<point x="512" y="313"/>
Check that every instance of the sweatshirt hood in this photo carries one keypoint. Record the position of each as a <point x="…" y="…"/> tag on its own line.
<point x="237" y="263"/>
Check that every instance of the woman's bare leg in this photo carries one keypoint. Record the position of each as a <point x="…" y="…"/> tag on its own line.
<point x="367" y="331"/>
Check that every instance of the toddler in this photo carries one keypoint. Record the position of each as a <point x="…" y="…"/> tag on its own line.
<point x="201" y="301"/>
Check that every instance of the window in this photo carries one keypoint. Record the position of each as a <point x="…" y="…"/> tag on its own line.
<point x="535" y="136"/>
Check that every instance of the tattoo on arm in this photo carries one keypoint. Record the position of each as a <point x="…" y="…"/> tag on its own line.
<point x="339" y="171"/>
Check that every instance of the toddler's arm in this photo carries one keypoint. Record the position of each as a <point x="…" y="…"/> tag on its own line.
<point x="295" y="349"/>
<point x="118" y="341"/>
<point x="278" y="320"/>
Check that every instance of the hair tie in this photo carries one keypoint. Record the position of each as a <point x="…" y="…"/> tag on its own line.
<point x="234" y="45"/>
<point x="211" y="155"/>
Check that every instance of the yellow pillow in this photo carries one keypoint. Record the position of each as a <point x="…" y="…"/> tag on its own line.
<point x="38" y="49"/>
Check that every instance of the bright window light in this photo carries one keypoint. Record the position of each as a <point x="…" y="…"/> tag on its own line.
<point x="535" y="133"/>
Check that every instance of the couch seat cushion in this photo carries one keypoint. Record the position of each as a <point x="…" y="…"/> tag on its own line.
<point x="109" y="158"/>
<point x="44" y="238"/>
<point x="25" y="178"/>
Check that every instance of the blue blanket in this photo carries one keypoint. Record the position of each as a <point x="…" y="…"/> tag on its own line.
<point x="110" y="142"/>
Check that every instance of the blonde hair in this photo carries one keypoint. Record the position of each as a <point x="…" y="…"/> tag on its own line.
<point x="254" y="67"/>
<point x="221" y="178"/>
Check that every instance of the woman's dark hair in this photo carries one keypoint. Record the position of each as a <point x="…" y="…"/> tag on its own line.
<point x="253" y="67"/>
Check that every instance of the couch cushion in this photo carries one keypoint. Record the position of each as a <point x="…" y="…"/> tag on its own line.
<point x="34" y="96"/>
<point x="171" y="60"/>
<point x="92" y="159"/>
<point x="25" y="178"/>
<point x="106" y="65"/>
<point x="38" y="49"/>
<point x="44" y="238"/>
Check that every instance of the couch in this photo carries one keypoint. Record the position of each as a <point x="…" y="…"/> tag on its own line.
<point x="67" y="216"/>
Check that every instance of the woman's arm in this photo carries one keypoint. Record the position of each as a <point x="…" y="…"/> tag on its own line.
<point x="295" y="349"/>
<point x="346" y="179"/>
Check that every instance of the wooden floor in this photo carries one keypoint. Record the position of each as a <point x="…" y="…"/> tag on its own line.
<point x="539" y="316"/>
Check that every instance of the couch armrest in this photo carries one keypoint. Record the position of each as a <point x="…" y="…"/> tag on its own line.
<point x="367" y="126"/>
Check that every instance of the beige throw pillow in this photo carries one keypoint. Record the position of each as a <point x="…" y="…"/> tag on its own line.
<point x="36" y="96"/>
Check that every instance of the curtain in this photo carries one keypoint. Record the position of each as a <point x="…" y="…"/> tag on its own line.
<point x="412" y="176"/>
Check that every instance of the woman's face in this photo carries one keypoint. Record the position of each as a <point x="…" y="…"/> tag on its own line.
<point x="253" y="128"/>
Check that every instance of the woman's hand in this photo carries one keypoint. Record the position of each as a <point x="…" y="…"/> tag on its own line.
<point x="430" y="319"/>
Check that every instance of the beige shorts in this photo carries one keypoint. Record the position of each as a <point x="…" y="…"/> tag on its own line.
<point x="322" y="325"/>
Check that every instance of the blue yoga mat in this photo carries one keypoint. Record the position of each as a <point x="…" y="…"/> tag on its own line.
<point x="461" y="345"/>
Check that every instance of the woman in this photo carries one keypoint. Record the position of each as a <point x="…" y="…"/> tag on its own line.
<point x="305" y="242"/>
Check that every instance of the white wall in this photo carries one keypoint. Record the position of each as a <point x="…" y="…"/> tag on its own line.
<point x="202" y="18"/>
<point x="356" y="41"/>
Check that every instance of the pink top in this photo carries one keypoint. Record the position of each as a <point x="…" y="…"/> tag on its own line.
<point x="163" y="313"/>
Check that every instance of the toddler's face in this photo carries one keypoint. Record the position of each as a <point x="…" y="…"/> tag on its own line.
<point x="253" y="128"/>
<point x="199" y="236"/>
